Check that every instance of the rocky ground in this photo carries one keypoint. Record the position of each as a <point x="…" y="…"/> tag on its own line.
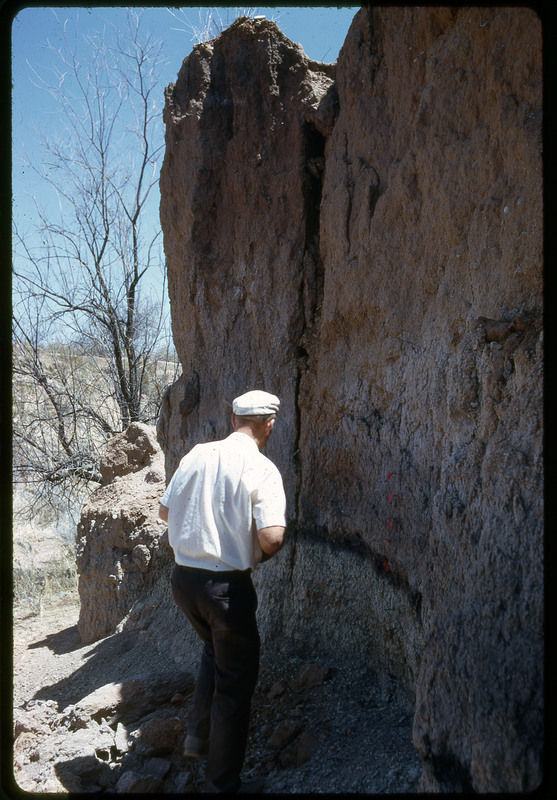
<point x="323" y="728"/>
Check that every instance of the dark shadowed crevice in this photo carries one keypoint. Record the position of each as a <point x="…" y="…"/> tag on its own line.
<point x="310" y="292"/>
<point x="314" y="169"/>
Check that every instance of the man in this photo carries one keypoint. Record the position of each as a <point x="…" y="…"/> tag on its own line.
<point x="225" y="507"/>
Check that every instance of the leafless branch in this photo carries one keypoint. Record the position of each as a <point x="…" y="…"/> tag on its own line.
<point x="88" y="322"/>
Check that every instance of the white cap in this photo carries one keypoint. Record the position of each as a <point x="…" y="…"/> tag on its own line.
<point x="256" y="402"/>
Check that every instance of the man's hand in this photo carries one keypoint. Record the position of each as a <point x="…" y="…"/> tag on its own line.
<point x="163" y="512"/>
<point x="271" y="540"/>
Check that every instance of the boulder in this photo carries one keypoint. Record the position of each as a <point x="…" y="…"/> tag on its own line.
<point x="121" y="544"/>
<point x="308" y="676"/>
<point x="130" y="699"/>
<point x="285" y="732"/>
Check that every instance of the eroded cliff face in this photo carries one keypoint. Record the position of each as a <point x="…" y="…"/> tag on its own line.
<point x="119" y="545"/>
<point x="365" y="241"/>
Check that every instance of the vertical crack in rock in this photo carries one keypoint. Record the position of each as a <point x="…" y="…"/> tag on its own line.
<point x="349" y="186"/>
<point x="313" y="188"/>
<point x="311" y="283"/>
<point x="312" y="276"/>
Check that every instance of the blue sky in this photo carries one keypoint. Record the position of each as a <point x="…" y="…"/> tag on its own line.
<point x="320" y="30"/>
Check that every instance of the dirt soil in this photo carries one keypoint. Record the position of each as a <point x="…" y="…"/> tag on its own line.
<point x="354" y="738"/>
<point x="47" y="647"/>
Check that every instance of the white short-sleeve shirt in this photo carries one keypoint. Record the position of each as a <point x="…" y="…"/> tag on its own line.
<point x="218" y="491"/>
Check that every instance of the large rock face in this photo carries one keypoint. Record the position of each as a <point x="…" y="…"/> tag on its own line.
<point x="365" y="241"/>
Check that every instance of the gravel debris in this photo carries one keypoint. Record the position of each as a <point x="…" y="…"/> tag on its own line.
<point x="315" y="727"/>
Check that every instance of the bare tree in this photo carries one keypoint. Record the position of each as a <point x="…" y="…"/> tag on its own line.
<point x="88" y="321"/>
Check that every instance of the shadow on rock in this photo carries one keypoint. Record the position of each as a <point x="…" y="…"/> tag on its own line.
<point x="134" y="732"/>
<point x="132" y="772"/>
<point x="115" y="658"/>
<point x="124" y="737"/>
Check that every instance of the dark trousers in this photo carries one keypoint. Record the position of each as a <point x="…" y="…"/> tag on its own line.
<point x="221" y="607"/>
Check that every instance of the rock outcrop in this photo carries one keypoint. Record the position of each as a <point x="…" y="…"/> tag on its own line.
<point x="121" y="548"/>
<point x="365" y="241"/>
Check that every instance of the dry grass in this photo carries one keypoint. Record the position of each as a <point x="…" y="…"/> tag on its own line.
<point x="37" y="583"/>
<point x="44" y="565"/>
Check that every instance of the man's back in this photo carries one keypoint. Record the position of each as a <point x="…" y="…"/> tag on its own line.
<point x="213" y="496"/>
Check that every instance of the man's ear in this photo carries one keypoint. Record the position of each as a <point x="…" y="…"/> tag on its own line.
<point x="233" y="420"/>
<point x="271" y="423"/>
